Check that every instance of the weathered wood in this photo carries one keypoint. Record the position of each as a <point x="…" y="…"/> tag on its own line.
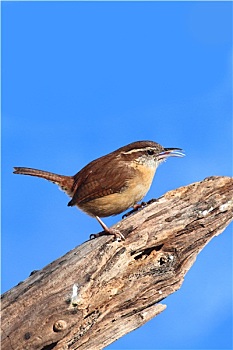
<point x="119" y="285"/>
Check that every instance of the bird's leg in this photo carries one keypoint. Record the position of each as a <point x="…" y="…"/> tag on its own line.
<point x="136" y="207"/>
<point x="108" y="231"/>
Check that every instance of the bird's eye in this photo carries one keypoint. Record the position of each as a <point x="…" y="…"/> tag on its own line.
<point x="150" y="152"/>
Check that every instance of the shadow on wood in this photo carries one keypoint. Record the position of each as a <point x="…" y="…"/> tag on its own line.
<point x="102" y="289"/>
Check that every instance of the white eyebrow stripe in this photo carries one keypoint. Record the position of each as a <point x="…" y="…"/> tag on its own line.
<point x="139" y="150"/>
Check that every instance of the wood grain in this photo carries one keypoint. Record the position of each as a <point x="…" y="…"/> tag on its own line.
<point x="102" y="289"/>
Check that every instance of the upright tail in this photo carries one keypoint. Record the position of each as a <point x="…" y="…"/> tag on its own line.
<point x="65" y="182"/>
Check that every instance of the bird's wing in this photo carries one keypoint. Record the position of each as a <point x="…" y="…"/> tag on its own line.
<point x="94" y="182"/>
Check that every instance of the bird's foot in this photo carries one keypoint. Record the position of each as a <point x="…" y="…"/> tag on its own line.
<point x="136" y="207"/>
<point x="108" y="231"/>
<point x="118" y="236"/>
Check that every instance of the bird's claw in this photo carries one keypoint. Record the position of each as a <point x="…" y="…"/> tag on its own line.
<point x="136" y="207"/>
<point x="118" y="236"/>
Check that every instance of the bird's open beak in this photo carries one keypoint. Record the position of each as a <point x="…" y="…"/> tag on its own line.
<point x="171" y="152"/>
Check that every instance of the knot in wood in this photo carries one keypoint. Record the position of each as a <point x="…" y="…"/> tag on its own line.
<point x="59" y="326"/>
<point x="27" y="335"/>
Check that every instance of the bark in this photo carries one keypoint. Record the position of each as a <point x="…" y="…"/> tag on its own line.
<point x="104" y="289"/>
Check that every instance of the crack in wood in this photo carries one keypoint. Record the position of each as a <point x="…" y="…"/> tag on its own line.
<point x="143" y="254"/>
<point x="90" y="320"/>
<point x="50" y="346"/>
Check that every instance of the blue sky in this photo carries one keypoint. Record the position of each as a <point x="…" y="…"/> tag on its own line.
<point x="80" y="79"/>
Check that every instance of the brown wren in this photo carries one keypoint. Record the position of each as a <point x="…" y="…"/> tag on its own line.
<point x="113" y="183"/>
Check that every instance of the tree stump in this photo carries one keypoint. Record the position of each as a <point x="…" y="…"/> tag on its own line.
<point x="104" y="289"/>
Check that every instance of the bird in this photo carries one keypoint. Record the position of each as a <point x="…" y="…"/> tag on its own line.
<point x="113" y="183"/>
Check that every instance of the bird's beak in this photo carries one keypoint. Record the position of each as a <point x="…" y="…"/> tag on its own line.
<point x="170" y="152"/>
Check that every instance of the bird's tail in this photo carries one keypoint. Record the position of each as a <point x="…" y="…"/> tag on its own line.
<point x="65" y="182"/>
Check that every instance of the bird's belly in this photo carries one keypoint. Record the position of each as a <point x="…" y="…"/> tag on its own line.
<point x="112" y="204"/>
<point x="116" y="203"/>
